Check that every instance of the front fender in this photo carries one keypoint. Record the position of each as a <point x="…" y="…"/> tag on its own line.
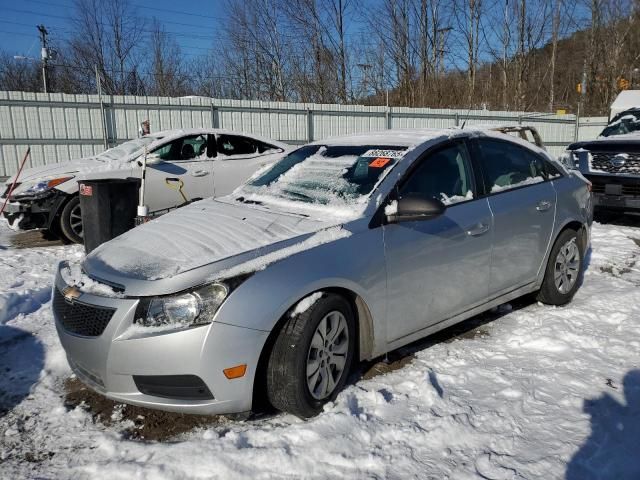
<point x="355" y="263"/>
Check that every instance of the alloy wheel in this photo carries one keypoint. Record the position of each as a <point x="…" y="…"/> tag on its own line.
<point x="567" y="266"/>
<point x="75" y="220"/>
<point x="327" y="355"/>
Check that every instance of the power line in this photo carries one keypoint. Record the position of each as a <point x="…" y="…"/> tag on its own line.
<point x="137" y="5"/>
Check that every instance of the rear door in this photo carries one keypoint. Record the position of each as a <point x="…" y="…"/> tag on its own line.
<point x="184" y="172"/>
<point x="238" y="158"/>
<point x="523" y="203"/>
<point x="439" y="267"/>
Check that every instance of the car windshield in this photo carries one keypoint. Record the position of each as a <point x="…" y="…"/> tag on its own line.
<point x="127" y="148"/>
<point x="627" y="122"/>
<point x="339" y="177"/>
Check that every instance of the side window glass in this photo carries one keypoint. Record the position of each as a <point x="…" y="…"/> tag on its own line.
<point x="552" y="170"/>
<point x="444" y="175"/>
<point x="508" y="166"/>
<point x="186" y="148"/>
<point x="235" y="145"/>
<point x="169" y="151"/>
<point x="194" y="148"/>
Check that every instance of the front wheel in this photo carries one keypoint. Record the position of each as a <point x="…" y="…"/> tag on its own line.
<point x="71" y="220"/>
<point x="564" y="270"/>
<point x="311" y="357"/>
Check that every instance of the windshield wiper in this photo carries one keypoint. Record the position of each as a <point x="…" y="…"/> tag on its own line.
<point x="252" y="202"/>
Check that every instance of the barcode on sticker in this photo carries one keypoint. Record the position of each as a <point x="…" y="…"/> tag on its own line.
<point x="384" y="153"/>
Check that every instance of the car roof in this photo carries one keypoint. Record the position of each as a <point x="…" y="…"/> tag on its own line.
<point x="412" y="137"/>
<point x="166" y="135"/>
<point x="402" y="137"/>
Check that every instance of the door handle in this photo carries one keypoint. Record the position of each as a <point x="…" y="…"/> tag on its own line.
<point x="543" y="205"/>
<point x="479" y="229"/>
<point x="199" y="173"/>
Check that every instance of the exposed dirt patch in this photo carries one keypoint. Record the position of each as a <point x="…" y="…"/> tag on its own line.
<point x="34" y="238"/>
<point x="136" y="423"/>
<point x="386" y="366"/>
<point x="635" y="240"/>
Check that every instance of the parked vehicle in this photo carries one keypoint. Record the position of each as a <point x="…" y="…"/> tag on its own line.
<point x="344" y="250"/>
<point x="612" y="163"/>
<point x="182" y="165"/>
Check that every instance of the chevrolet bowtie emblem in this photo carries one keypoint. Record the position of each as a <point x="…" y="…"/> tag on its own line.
<point x="71" y="293"/>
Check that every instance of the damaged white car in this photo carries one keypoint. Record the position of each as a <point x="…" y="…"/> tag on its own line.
<point x="344" y="250"/>
<point x="182" y="166"/>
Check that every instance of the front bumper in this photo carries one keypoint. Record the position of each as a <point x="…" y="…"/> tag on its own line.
<point x="111" y="364"/>
<point x="615" y="192"/>
<point x="28" y="213"/>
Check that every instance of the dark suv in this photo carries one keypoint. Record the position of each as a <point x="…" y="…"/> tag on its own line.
<point x="612" y="163"/>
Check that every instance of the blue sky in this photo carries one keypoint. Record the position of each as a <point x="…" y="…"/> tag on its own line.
<point x="194" y="22"/>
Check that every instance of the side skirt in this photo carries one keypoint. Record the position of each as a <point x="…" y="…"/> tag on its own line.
<point x="431" y="329"/>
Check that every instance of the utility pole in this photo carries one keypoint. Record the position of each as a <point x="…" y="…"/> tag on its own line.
<point x="44" y="54"/>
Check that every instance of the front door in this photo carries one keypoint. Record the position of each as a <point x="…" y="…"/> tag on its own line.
<point x="439" y="267"/>
<point x="523" y="203"/>
<point x="183" y="173"/>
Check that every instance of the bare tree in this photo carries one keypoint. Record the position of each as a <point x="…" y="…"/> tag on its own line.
<point x="166" y="69"/>
<point x="109" y="36"/>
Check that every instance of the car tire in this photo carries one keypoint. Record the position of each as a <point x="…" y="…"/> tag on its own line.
<point x="564" y="270"/>
<point x="296" y="351"/>
<point x="69" y="218"/>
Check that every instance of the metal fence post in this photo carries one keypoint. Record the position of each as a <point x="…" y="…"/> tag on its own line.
<point x="457" y="119"/>
<point x="576" y="132"/>
<point x="310" y="125"/>
<point x="519" y="119"/>
<point x="215" y="116"/>
<point x="388" y="120"/>
<point x="105" y="131"/>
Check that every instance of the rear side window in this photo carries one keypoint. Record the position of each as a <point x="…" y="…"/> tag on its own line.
<point x="507" y="166"/>
<point x="236" y="145"/>
<point x="444" y="175"/>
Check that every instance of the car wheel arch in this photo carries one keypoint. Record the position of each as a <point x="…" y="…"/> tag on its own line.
<point x="569" y="224"/>
<point x="364" y="334"/>
<point x="575" y="225"/>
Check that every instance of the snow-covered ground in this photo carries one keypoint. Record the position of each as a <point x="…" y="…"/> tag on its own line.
<point x="536" y="393"/>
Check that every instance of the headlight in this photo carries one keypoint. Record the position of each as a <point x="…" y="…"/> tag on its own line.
<point x="39" y="187"/>
<point x="184" y="310"/>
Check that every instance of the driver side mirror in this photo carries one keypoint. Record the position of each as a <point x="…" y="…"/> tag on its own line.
<point x="152" y="159"/>
<point x="413" y="207"/>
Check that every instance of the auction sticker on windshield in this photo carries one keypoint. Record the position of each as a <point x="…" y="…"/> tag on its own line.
<point x="379" y="162"/>
<point x="384" y="153"/>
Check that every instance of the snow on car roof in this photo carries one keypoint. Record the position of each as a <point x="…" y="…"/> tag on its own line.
<point x="407" y="137"/>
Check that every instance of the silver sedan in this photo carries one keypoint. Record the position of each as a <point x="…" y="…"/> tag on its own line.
<point x="344" y="250"/>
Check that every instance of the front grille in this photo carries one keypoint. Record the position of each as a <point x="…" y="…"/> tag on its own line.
<point x="604" y="161"/>
<point x="628" y="190"/>
<point x="80" y="318"/>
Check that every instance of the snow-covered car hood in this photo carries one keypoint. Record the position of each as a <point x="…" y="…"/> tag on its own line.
<point x="83" y="166"/>
<point x="628" y="142"/>
<point x="213" y="238"/>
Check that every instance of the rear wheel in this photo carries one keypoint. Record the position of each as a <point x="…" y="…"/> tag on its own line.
<point x="71" y="220"/>
<point x="311" y="357"/>
<point x="564" y="270"/>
